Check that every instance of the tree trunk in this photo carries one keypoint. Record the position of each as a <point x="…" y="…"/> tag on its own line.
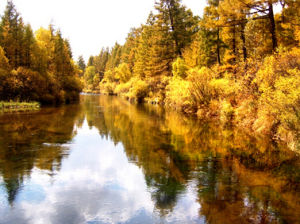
<point x="272" y="25"/>
<point x="178" y="50"/>
<point x="234" y="44"/>
<point x="244" y="41"/>
<point x="218" y="47"/>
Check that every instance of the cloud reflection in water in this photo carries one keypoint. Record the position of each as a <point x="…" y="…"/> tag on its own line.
<point x="96" y="184"/>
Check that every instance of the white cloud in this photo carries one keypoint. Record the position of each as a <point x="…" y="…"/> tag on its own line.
<point x="96" y="183"/>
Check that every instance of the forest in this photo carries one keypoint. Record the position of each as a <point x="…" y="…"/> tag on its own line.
<point x="35" y="66"/>
<point x="239" y="63"/>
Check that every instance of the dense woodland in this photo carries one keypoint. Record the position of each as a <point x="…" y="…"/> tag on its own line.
<point x="35" y="66"/>
<point x="239" y="62"/>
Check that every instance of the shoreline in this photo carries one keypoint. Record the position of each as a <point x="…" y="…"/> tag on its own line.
<point x="14" y="106"/>
<point x="208" y="115"/>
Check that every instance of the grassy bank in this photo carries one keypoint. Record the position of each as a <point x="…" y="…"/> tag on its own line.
<point x="18" y="106"/>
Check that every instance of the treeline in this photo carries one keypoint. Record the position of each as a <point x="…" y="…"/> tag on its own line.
<point x="240" y="63"/>
<point x="35" y="67"/>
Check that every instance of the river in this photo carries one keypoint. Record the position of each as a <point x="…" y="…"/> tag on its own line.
<point x="105" y="160"/>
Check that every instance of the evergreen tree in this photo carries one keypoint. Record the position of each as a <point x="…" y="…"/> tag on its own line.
<point x="129" y="49"/>
<point x="100" y="62"/>
<point x="34" y="67"/>
<point x="179" y="20"/>
<point x="81" y="64"/>
<point x="91" y="61"/>
<point x="263" y="9"/>
<point x="114" y="58"/>
<point x="11" y="35"/>
<point x="210" y="21"/>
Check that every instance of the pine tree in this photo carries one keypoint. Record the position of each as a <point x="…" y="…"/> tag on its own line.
<point x="114" y="58"/>
<point x="129" y="49"/>
<point x="210" y="22"/>
<point x="100" y="62"/>
<point x="179" y="21"/>
<point x="233" y="15"/>
<point x="11" y="35"/>
<point x="81" y="64"/>
<point x="288" y="23"/>
<point x="28" y="46"/>
<point x="91" y="61"/>
<point x="263" y="9"/>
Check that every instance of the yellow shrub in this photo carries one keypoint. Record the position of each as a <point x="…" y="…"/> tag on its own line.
<point x="245" y="113"/>
<point x="123" y="73"/>
<point x="109" y="76"/>
<point x="123" y="88"/>
<point x="178" y="94"/>
<point x="279" y="86"/>
<point x="139" y="90"/>
<point x="200" y="88"/>
<point x="223" y="87"/>
<point x="179" y="68"/>
<point x="227" y="111"/>
<point x="108" y="87"/>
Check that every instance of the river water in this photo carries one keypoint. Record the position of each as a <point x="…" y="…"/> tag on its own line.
<point x="105" y="160"/>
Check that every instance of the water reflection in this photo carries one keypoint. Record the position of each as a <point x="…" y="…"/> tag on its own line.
<point x="107" y="161"/>
<point x="31" y="140"/>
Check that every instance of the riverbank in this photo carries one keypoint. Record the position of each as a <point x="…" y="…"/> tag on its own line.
<point x="228" y="116"/>
<point x="186" y="163"/>
<point x="18" y="106"/>
<point x="260" y="96"/>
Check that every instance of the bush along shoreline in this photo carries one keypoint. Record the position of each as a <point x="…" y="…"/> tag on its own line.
<point x="264" y="98"/>
<point x="19" y="106"/>
<point x="239" y="66"/>
<point x="261" y="98"/>
<point x="35" y="66"/>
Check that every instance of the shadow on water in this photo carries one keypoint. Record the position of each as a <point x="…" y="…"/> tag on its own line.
<point x="236" y="178"/>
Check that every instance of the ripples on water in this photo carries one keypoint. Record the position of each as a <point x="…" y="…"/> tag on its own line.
<point x="108" y="161"/>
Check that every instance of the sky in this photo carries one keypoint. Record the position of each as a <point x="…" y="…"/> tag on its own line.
<point x="90" y="25"/>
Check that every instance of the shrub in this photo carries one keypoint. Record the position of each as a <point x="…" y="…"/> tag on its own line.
<point x="29" y="84"/>
<point x="89" y="75"/>
<point x="123" y="88"/>
<point x="178" y="94"/>
<point x="200" y="88"/>
<point x="246" y="113"/>
<point x="123" y="73"/>
<point x="179" y="68"/>
<point x="139" y="90"/>
<point x="224" y="88"/>
<point x="109" y="76"/>
<point x="278" y="82"/>
<point x="108" y="87"/>
<point x="227" y="112"/>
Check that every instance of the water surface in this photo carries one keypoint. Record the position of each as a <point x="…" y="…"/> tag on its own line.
<point x="105" y="160"/>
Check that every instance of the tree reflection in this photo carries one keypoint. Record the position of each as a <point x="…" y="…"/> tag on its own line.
<point x="145" y="144"/>
<point x="31" y="140"/>
<point x="240" y="178"/>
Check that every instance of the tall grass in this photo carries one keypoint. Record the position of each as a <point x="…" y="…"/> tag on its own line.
<point x="18" y="106"/>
